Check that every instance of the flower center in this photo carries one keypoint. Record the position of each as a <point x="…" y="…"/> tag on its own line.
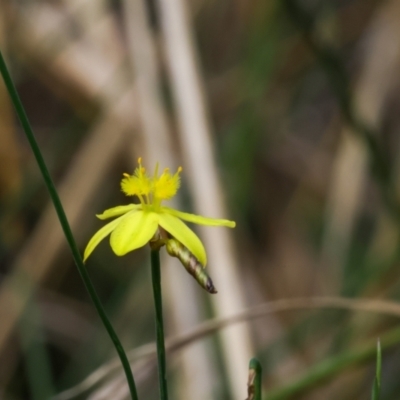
<point x="151" y="190"/>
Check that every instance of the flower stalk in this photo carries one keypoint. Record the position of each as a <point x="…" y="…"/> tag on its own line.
<point x="156" y="281"/>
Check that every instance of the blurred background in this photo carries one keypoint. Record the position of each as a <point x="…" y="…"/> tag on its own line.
<point x="285" y="118"/>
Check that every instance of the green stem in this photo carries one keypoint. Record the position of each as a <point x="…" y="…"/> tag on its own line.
<point x="255" y="375"/>
<point x="156" y="279"/>
<point x="65" y="225"/>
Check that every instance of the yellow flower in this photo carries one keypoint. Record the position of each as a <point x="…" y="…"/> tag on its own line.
<point x="137" y="224"/>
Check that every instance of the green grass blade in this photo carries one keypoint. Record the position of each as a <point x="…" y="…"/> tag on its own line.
<point x="64" y="223"/>
<point x="376" y="390"/>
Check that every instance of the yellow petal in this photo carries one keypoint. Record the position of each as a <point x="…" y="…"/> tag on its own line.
<point x="185" y="235"/>
<point x="99" y="236"/>
<point x="119" y="210"/>
<point x="135" y="230"/>
<point x="198" y="219"/>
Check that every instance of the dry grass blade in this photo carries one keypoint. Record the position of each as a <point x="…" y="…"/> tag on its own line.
<point x="10" y="172"/>
<point x="204" y="184"/>
<point x="84" y="176"/>
<point x="108" y="369"/>
<point x="116" y="389"/>
<point x="184" y="305"/>
<point x="147" y="352"/>
<point x="80" y="69"/>
<point x="17" y="288"/>
<point x="378" y="76"/>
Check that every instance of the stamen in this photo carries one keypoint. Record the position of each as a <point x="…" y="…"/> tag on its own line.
<point x="156" y="172"/>
<point x="126" y="175"/>
<point x="142" y="170"/>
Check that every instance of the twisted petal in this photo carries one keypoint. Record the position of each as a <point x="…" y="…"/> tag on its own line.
<point x="183" y="234"/>
<point x="198" y="219"/>
<point x="99" y="236"/>
<point x="133" y="231"/>
<point x="119" y="210"/>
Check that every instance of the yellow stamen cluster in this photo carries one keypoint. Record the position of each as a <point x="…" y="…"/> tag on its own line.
<point x="157" y="188"/>
<point x="167" y="185"/>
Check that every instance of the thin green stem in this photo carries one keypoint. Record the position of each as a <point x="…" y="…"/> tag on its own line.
<point x="156" y="279"/>
<point x="255" y="381"/>
<point x="65" y="225"/>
